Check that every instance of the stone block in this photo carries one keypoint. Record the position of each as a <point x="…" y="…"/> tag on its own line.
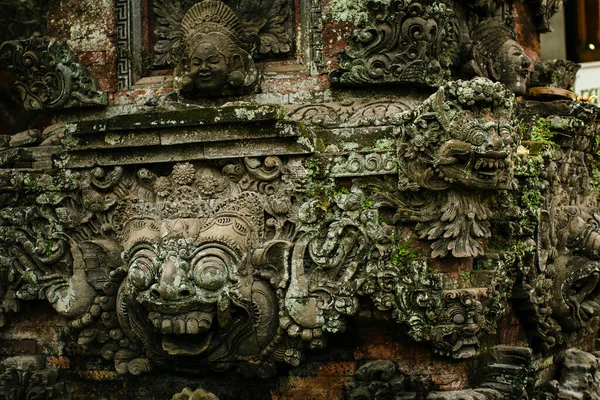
<point x="29" y="137"/>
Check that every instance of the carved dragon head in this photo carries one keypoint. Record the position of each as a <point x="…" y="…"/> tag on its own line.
<point x="463" y="136"/>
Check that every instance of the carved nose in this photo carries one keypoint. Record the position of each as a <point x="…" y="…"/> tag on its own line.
<point x="173" y="284"/>
<point x="494" y="141"/>
<point x="526" y="61"/>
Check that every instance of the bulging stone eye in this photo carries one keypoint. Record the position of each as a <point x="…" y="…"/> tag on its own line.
<point x="458" y="318"/>
<point x="142" y="270"/>
<point x="210" y="273"/>
<point x="477" y="138"/>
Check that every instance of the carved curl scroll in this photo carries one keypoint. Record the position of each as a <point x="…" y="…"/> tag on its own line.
<point x="405" y="41"/>
<point x="48" y="76"/>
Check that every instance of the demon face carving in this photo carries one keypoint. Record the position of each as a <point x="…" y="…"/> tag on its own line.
<point x="461" y="136"/>
<point x="190" y="290"/>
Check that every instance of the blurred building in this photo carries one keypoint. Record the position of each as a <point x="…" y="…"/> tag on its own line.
<point x="576" y="37"/>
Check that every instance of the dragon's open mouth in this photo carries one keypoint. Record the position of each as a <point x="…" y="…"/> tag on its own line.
<point x="487" y="168"/>
<point x="465" y="348"/>
<point x="484" y="168"/>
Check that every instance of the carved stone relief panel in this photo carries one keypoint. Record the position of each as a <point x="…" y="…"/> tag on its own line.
<point x="26" y="377"/>
<point x="265" y="24"/>
<point x="506" y="377"/>
<point x="229" y="263"/>
<point x="559" y="289"/>
<point x="403" y="42"/>
<point x="430" y="42"/>
<point x="47" y="76"/>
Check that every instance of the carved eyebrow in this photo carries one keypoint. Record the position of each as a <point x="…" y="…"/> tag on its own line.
<point x="489" y="125"/>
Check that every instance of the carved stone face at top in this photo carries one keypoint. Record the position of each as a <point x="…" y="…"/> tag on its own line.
<point x="208" y="67"/>
<point x="499" y="57"/>
<point x="514" y="66"/>
<point x="462" y="135"/>
<point x="215" y="60"/>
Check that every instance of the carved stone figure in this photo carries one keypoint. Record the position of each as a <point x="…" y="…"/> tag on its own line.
<point x="191" y="285"/>
<point x="47" y="76"/>
<point x="26" y="377"/>
<point x="462" y="137"/>
<point x="264" y="25"/>
<point x="214" y="59"/>
<point x="577" y="377"/>
<point x="497" y="55"/>
<point x="559" y="291"/>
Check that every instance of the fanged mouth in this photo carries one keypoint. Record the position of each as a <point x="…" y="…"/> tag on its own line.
<point x="189" y="323"/>
<point x="465" y="348"/>
<point x="184" y="334"/>
<point x="485" y="166"/>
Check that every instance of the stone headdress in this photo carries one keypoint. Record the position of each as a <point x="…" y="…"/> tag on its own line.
<point x="488" y="38"/>
<point x="215" y="22"/>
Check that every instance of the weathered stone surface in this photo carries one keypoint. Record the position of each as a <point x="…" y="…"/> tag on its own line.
<point x="383" y="241"/>
<point x="32" y="136"/>
<point x="47" y="76"/>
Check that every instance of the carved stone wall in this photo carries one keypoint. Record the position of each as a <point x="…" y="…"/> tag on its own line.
<point x="298" y="200"/>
